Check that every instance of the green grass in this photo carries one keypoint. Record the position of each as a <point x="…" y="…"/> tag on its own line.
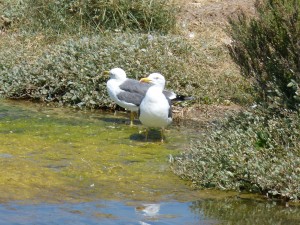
<point x="76" y="16"/>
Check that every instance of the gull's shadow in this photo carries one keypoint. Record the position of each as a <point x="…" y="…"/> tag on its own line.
<point x="153" y="136"/>
<point x="120" y="117"/>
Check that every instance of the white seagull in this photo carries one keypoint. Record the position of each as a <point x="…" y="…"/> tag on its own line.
<point x="129" y="93"/>
<point x="155" y="108"/>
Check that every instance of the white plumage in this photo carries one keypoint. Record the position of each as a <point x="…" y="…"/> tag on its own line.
<point x="155" y="108"/>
<point x="128" y="93"/>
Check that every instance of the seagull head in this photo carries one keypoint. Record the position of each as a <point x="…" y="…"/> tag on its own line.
<point x="155" y="79"/>
<point x="116" y="73"/>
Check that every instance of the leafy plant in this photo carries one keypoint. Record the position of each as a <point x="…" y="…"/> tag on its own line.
<point x="71" y="73"/>
<point x="267" y="49"/>
<point x="254" y="151"/>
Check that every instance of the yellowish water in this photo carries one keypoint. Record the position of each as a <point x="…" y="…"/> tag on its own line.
<point x="53" y="154"/>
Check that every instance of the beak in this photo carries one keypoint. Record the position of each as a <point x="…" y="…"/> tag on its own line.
<point x="145" y="80"/>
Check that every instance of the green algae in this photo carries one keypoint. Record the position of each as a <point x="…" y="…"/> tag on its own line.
<point x="59" y="154"/>
<point x="52" y="155"/>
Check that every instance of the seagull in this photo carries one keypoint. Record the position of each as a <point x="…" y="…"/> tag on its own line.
<point x="129" y="93"/>
<point x="155" y="109"/>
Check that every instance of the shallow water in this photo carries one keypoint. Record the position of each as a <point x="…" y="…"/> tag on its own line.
<point x="101" y="212"/>
<point x="62" y="166"/>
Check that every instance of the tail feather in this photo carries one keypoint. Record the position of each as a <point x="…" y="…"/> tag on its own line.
<point x="180" y="98"/>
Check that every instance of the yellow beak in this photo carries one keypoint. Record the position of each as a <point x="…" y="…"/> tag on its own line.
<point x="145" y="80"/>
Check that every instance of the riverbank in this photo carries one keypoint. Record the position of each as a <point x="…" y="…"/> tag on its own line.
<point x="61" y="62"/>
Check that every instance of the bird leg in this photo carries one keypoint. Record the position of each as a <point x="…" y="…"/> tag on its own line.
<point x="146" y="134"/>
<point x="131" y="118"/>
<point x="162" y="135"/>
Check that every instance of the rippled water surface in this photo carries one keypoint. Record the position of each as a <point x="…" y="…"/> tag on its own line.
<point x="62" y="166"/>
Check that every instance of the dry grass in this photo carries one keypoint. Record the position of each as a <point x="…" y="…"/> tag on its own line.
<point x="205" y="21"/>
<point x="204" y="24"/>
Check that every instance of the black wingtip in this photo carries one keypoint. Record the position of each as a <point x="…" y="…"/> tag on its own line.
<point x="180" y="98"/>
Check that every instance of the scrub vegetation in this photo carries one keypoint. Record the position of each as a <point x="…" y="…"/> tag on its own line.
<point x="257" y="150"/>
<point x="55" y="51"/>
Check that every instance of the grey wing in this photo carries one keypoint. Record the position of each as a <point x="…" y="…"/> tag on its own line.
<point x="130" y="97"/>
<point x="169" y="94"/>
<point x="135" y="86"/>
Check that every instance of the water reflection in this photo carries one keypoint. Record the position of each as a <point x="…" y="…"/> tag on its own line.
<point x="148" y="210"/>
<point x="247" y="211"/>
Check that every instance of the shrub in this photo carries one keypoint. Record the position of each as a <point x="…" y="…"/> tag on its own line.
<point x="70" y="73"/>
<point x="255" y="151"/>
<point x="267" y="49"/>
<point x="25" y="55"/>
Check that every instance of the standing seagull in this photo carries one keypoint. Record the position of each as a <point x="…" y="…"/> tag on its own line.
<point x="129" y="93"/>
<point x="155" y="109"/>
